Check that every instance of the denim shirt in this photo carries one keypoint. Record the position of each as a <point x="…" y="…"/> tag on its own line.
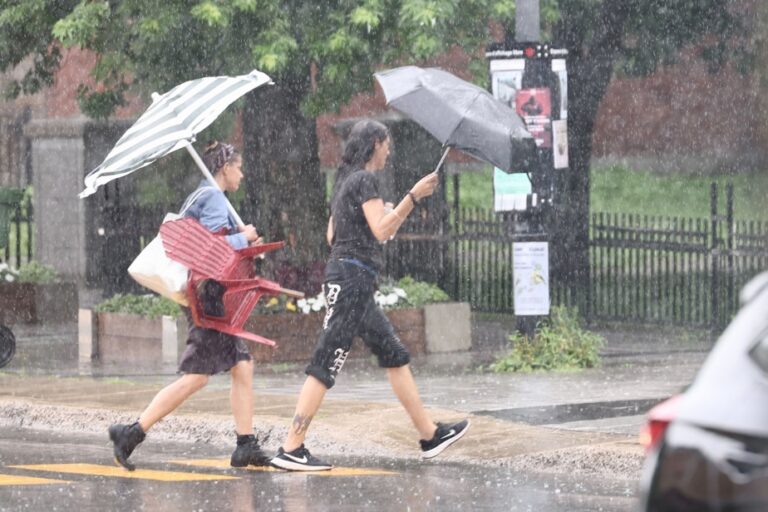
<point x="210" y="210"/>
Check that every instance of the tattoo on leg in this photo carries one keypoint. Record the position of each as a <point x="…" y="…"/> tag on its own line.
<point x="301" y="423"/>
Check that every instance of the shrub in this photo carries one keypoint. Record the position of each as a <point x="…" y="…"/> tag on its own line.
<point x="34" y="272"/>
<point x="419" y="293"/>
<point x="559" y="343"/>
<point x="149" y="305"/>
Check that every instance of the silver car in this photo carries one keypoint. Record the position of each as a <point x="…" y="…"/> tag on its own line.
<point x="708" y="448"/>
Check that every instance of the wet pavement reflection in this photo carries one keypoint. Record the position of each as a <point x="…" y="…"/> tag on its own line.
<point x="79" y="475"/>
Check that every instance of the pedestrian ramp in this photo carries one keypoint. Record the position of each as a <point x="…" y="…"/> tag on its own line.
<point x="337" y="471"/>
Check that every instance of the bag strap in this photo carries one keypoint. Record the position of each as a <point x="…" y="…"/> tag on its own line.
<point x="194" y="196"/>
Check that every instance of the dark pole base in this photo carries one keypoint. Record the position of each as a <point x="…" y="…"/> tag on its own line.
<point x="526" y="325"/>
<point x="7" y="345"/>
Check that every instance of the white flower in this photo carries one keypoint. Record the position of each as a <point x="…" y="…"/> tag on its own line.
<point x="9" y="278"/>
<point x="317" y="305"/>
<point x="4" y="266"/>
<point x="400" y="292"/>
<point x="305" y="308"/>
<point x="391" y="299"/>
<point x="302" y="303"/>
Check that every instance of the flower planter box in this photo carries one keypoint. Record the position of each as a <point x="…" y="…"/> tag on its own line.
<point x="144" y="343"/>
<point x="434" y="328"/>
<point x="37" y="303"/>
<point x="134" y="341"/>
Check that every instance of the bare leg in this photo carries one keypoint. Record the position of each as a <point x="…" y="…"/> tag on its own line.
<point x="170" y="397"/>
<point x="401" y="380"/>
<point x="310" y="398"/>
<point x="241" y="397"/>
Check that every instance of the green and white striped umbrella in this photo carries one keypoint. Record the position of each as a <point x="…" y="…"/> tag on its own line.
<point x="170" y="123"/>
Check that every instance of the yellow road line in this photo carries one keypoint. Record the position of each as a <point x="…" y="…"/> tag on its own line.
<point x="112" y="471"/>
<point x="27" y="480"/>
<point x="224" y="464"/>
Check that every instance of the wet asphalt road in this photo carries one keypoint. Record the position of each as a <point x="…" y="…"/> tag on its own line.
<point x="44" y="471"/>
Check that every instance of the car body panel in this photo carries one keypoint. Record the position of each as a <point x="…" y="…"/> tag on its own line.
<point x="730" y="392"/>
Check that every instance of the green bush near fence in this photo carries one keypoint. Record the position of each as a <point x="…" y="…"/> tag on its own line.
<point x="35" y="272"/>
<point x="559" y="343"/>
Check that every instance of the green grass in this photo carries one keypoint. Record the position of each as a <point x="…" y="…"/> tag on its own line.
<point x="621" y="190"/>
<point x="618" y="189"/>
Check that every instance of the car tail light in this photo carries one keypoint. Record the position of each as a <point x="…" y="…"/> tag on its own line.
<point x="659" y="419"/>
<point x="652" y="432"/>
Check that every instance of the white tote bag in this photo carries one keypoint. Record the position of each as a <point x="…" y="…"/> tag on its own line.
<point x="153" y="269"/>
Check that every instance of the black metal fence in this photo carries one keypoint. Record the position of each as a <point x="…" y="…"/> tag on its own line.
<point x="20" y="246"/>
<point x="645" y="269"/>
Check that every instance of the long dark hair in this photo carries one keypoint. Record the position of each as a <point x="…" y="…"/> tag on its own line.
<point x="359" y="148"/>
<point x="217" y="154"/>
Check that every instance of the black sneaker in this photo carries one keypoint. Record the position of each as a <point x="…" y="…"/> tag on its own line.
<point x="248" y="453"/>
<point x="299" y="460"/>
<point x="445" y="436"/>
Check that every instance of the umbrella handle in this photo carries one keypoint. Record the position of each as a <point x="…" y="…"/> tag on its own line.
<point x="209" y="177"/>
<point x="445" y="154"/>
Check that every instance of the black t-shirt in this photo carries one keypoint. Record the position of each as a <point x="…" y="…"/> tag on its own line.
<point x="352" y="237"/>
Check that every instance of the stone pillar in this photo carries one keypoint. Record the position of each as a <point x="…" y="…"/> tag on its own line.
<point x="58" y="154"/>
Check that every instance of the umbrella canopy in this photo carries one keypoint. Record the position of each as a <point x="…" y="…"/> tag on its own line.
<point x="170" y="123"/>
<point x="460" y="115"/>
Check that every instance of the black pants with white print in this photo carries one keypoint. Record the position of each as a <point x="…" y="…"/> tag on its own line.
<point x="351" y="311"/>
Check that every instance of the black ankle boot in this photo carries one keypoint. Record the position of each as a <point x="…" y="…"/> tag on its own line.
<point x="248" y="453"/>
<point x="126" y="438"/>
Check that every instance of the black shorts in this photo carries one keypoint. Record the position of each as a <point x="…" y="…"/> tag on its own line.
<point x="351" y="311"/>
<point x="209" y="351"/>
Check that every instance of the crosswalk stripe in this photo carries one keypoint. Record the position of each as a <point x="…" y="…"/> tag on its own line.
<point x="112" y="471"/>
<point x="224" y="463"/>
<point x="28" y="480"/>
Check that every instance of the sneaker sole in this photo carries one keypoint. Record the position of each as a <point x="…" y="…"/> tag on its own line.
<point x="295" y="466"/>
<point x="437" y="450"/>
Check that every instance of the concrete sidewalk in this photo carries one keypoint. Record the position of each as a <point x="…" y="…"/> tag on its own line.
<point x="575" y="421"/>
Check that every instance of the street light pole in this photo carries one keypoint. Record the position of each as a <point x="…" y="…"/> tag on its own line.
<point x="527" y="21"/>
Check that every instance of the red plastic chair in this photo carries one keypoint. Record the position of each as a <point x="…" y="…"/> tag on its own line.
<point x="210" y="257"/>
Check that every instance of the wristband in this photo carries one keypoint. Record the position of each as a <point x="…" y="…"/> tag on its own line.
<point x="413" y="198"/>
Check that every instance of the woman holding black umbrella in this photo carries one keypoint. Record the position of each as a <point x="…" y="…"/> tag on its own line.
<point x="360" y="221"/>
<point x="208" y="351"/>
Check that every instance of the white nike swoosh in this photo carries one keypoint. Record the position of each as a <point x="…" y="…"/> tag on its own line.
<point x="302" y="460"/>
<point x="449" y="434"/>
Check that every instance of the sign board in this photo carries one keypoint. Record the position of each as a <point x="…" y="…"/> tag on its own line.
<point x="510" y="191"/>
<point x="530" y="264"/>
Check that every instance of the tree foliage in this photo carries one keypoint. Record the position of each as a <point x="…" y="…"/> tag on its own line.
<point x="155" y="44"/>
<point x="321" y="53"/>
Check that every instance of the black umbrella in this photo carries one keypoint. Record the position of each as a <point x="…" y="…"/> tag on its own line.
<point x="460" y="115"/>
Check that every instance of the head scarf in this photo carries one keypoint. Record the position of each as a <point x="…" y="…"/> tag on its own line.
<point x="217" y="154"/>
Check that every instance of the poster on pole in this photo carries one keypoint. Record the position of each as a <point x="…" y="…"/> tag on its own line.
<point x="535" y="107"/>
<point x="558" y="66"/>
<point x="560" y="143"/>
<point x="530" y="266"/>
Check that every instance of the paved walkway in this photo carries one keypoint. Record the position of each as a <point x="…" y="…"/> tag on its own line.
<point x="523" y="415"/>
